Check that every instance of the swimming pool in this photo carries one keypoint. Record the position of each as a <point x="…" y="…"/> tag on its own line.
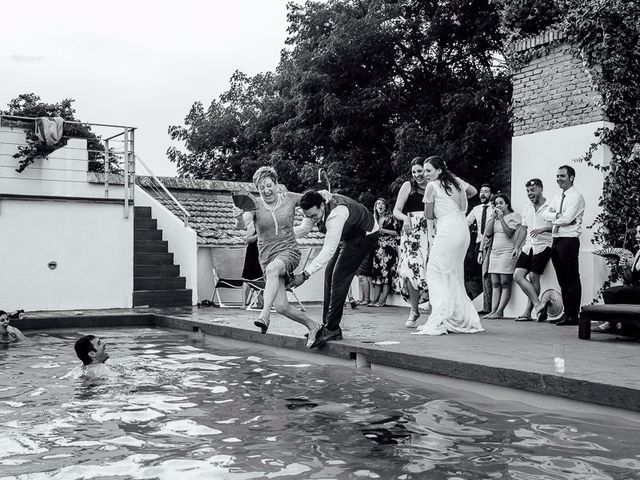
<point x="182" y="407"/>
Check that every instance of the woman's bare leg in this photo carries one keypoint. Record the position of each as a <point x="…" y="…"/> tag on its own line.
<point x="505" y="296"/>
<point x="282" y="306"/>
<point x="275" y="271"/>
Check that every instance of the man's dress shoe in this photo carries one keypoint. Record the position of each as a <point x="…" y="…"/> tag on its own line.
<point x="325" y="335"/>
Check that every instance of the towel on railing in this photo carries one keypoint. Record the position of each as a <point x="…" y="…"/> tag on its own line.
<point x="49" y="130"/>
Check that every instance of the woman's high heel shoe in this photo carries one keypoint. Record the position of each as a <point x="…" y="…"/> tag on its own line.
<point x="313" y="333"/>
<point x="262" y="325"/>
<point x="412" y="320"/>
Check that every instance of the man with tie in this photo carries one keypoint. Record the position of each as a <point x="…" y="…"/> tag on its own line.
<point x="351" y="232"/>
<point x="481" y="215"/>
<point x="565" y="214"/>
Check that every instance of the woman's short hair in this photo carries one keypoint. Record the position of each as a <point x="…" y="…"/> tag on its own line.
<point x="265" y="172"/>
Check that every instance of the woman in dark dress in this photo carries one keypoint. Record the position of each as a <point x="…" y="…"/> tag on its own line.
<point x="385" y="256"/>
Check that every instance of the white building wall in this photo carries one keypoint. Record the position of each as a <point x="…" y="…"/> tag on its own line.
<point x="92" y="244"/>
<point x="62" y="174"/>
<point x="539" y="155"/>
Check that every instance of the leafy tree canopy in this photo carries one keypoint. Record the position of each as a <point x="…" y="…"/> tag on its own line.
<point x="361" y="88"/>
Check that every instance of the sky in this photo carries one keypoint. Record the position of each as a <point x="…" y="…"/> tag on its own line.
<point x="135" y="63"/>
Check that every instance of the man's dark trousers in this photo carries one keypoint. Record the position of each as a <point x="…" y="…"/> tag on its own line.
<point x="487" y="287"/>
<point x="339" y="273"/>
<point x="564" y="255"/>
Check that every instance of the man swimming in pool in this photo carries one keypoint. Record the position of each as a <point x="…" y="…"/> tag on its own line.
<point x="93" y="353"/>
<point x="9" y="334"/>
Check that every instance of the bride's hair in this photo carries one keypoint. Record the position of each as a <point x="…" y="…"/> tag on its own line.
<point x="447" y="179"/>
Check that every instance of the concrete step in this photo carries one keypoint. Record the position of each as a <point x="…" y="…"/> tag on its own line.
<point x="145" y="234"/>
<point x="142" y="212"/>
<point x="149" y="246"/>
<point x="145" y="223"/>
<point x="162" y="298"/>
<point x="152" y="258"/>
<point x="159" y="283"/>
<point x="156" y="271"/>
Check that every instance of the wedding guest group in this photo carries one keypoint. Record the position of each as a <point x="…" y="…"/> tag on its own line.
<point x="418" y="249"/>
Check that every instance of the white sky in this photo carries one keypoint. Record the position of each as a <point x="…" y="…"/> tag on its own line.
<point x="135" y="63"/>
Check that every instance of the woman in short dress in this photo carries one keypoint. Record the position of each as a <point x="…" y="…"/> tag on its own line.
<point x="278" y="249"/>
<point x="502" y="263"/>
<point x="414" y="241"/>
<point x="385" y="256"/>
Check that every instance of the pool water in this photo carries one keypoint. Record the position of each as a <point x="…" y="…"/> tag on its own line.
<point x="178" y="406"/>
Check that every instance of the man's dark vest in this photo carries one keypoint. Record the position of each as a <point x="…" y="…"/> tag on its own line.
<point x="360" y="219"/>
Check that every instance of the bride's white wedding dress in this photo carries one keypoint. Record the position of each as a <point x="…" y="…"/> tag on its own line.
<point x="451" y="308"/>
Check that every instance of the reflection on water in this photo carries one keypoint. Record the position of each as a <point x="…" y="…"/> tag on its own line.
<point x="174" y="408"/>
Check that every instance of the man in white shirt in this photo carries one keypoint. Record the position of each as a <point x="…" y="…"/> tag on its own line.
<point x="533" y="248"/>
<point x="351" y="232"/>
<point x="565" y="214"/>
<point x="481" y="215"/>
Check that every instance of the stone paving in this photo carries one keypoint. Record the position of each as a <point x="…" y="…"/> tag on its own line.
<point x="516" y="354"/>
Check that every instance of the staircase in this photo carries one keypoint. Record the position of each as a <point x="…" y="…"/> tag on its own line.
<point x="156" y="280"/>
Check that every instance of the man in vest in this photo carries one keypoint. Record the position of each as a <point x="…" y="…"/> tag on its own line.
<point x="351" y="233"/>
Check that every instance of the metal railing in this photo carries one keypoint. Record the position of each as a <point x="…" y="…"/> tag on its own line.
<point x="116" y="152"/>
<point x="163" y="193"/>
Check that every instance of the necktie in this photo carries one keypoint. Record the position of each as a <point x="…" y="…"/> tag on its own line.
<point x="555" y="228"/>
<point x="483" y="219"/>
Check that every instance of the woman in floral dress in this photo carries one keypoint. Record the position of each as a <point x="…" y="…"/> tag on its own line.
<point x="385" y="257"/>
<point x="414" y="241"/>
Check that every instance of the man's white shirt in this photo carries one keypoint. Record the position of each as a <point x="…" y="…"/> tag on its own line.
<point x="570" y="221"/>
<point x="475" y="215"/>
<point x="334" y="224"/>
<point x="533" y="220"/>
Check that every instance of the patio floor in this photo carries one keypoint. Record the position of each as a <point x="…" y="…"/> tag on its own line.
<point x="602" y="370"/>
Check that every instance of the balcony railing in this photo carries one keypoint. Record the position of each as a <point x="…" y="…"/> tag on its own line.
<point x="90" y="154"/>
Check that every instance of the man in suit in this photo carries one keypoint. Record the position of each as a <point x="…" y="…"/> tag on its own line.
<point x="565" y="214"/>
<point x="481" y="215"/>
<point x="351" y="232"/>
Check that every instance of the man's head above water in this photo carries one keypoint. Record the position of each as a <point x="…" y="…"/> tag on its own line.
<point x="91" y="350"/>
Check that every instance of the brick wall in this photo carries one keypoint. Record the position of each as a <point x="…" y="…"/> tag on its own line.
<point x="554" y="89"/>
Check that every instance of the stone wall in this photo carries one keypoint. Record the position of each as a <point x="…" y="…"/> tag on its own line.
<point x="553" y="89"/>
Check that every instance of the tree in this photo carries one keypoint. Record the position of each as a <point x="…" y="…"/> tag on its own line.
<point x="362" y="87"/>
<point x="30" y="105"/>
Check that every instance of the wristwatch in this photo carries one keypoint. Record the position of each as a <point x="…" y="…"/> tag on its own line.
<point x="305" y="275"/>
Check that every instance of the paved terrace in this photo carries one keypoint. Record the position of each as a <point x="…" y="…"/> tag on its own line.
<point x="603" y="370"/>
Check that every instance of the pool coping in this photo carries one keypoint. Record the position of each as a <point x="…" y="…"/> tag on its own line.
<point x="534" y="382"/>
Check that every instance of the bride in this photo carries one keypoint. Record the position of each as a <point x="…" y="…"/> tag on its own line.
<point x="445" y="201"/>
